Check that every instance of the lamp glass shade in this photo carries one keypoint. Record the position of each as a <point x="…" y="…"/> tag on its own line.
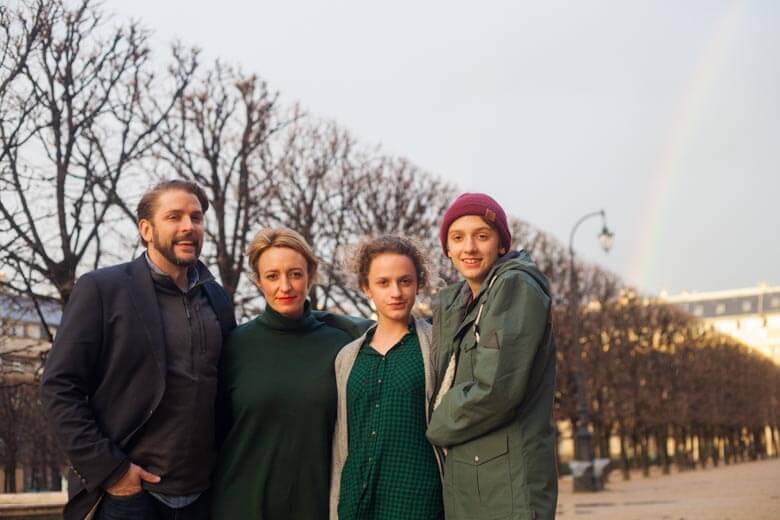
<point x="606" y="238"/>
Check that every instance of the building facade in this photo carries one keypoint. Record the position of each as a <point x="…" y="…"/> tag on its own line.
<point x="24" y="340"/>
<point x="750" y="315"/>
<point x="25" y="444"/>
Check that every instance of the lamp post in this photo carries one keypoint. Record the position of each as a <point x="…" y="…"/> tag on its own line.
<point x="585" y="478"/>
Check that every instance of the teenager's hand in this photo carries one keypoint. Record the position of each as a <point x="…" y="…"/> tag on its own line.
<point x="130" y="483"/>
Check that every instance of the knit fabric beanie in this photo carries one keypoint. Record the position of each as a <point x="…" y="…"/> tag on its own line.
<point x="483" y="206"/>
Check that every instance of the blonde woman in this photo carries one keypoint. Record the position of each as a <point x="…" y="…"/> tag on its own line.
<point x="278" y="391"/>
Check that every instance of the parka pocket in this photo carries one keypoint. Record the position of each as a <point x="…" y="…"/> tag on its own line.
<point x="481" y="475"/>
<point x="492" y="341"/>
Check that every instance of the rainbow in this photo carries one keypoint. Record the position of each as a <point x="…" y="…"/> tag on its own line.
<point x="654" y="221"/>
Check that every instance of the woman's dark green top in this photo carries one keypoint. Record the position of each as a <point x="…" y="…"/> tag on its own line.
<point x="278" y="400"/>
<point x="391" y="471"/>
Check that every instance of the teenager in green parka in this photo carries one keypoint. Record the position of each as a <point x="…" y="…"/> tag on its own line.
<point x="494" y="355"/>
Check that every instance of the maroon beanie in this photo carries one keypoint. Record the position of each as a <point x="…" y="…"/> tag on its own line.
<point x="483" y="206"/>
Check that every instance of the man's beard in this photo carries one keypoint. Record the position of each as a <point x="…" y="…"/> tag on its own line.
<point x="167" y="249"/>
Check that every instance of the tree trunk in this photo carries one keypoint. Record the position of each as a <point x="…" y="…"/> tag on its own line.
<point x="689" y="460"/>
<point x="714" y="447"/>
<point x="624" y="464"/>
<point x="606" y="439"/>
<point x="10" y="477"/>
<point x="558" y="461"/>
<point x="55" y="478"/>
<point x="739" y="452"/>
<point x="663" y="455"/>
<point x="645" y="440"/>
<point x="636" y="444"/>
<point x="679" y="448"/>
<point x="728" y="449"/>
<point x="701" y="447"/>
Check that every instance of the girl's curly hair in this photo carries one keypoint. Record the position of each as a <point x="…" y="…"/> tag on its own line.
<point x="358" y="260"/>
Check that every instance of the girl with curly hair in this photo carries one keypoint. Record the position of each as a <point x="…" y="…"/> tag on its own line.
<point x="383" y="466"/>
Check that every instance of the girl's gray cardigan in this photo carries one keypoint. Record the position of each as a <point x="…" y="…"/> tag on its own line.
<point x="344" y="362"/>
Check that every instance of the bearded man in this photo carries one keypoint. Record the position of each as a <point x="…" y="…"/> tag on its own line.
<point x="130" y="383"/>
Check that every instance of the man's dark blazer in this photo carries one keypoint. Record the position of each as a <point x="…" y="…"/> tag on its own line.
<point x="105" y="374"/>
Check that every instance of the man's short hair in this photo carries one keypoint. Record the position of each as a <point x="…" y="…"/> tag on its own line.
<point x="146" y="206"/>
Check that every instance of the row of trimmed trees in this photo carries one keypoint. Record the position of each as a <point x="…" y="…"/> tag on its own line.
<point x="668" y="389"/>
<point x="87" y="123"/>
<point x="25" y="441"/>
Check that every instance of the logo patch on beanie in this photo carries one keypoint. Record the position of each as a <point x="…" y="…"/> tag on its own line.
<point x="490" y="215"/>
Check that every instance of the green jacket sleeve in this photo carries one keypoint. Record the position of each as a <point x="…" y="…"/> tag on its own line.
<point x="512" y="329"/>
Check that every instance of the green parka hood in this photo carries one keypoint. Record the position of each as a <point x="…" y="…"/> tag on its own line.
<point x="519" y="261"/>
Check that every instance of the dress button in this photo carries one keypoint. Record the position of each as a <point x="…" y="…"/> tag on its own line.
<point x="373" y="433"/>
<point x="476" y="459"/>
<point x="380" y="381"/>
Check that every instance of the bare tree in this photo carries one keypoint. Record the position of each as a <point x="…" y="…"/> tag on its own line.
<point x="80" y="108"/>
<point x="216" y="137"/>
<point x="549" y="253"/>
<point x="334" y="192"/>
<point x="393" y="196"/>
<point x="313" y="186"/>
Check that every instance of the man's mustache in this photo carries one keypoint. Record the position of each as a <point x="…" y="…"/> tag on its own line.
<point x="187" y="238"/>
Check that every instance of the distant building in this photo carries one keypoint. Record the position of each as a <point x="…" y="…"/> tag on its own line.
<point x="23" y="340"/>
<point x="750" y="315"/>
<point x="23" y="346"/>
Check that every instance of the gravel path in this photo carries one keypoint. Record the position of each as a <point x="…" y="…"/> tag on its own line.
<point x="745" y="490"/>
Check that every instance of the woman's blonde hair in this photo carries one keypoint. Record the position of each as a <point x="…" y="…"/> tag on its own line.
<point x="267" y="238"/>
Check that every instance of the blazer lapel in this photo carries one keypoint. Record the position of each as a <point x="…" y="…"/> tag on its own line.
<point x="144" y="299"/>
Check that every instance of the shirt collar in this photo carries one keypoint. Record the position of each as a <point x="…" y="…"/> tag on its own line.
<point x="193" y="276"/>
<point x="372" y="330"/>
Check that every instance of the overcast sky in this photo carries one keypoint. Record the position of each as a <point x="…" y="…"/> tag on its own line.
<point x="664" y="113"/>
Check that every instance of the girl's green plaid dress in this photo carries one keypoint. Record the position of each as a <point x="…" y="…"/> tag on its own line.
<point x="391" y="470"/>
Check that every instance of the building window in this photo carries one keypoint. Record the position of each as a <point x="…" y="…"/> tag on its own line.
<point x="747" y="306"/>
<point x="775" y="301"/>
<point x="32" y="331"/>
<point x="726" y="325"/>
<point x="720" y="308"/>
<point x="751" y="323"/>
<point x="698" y="310"/>
<point x="19" y="330"/>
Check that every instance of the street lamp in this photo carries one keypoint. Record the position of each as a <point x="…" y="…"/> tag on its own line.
<point x="585" y="478"/>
